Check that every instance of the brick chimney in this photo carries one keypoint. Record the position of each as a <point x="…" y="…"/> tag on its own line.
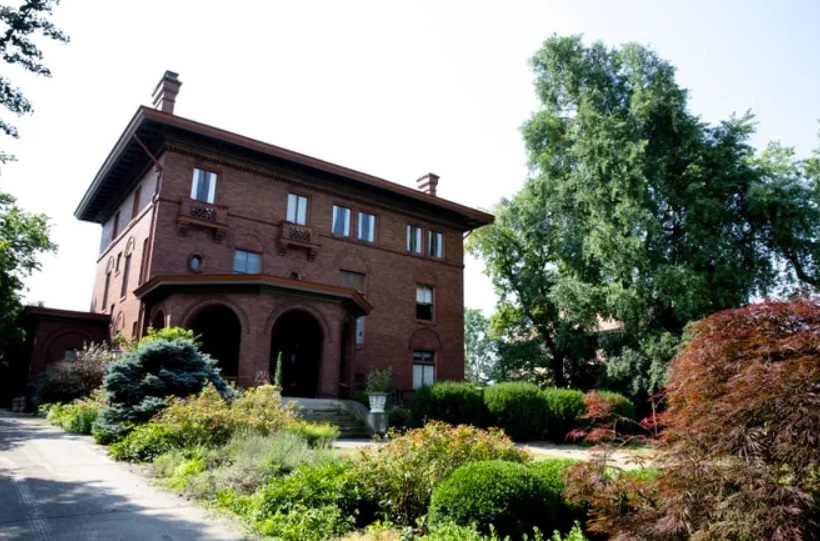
<point x="428" y="183"/>
<point x="165" y="94"/>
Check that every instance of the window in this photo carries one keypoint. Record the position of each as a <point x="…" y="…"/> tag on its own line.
<point x="353" y="280"/>
<point x="424" y="368"/>
<point x="367" y="227"/>
<point x="297" y="209"/>
<point x="116" y="226"/>
<point x="360" y="331"/>
<point x="105" y="291"/>
<point x="203" y="187"/>
<point x="435" y="244"/>
<point x="135" y="209"/>
<point x="124" y="288"/>
<point x="246" y="262"/>
<point x="413" y="239"/>
<point x="119" y="260"/>
<point x="195" y="263"/>
<point x="424" y="303"/>
<point x="144" y="261"/>
<point x="341" y="221"/>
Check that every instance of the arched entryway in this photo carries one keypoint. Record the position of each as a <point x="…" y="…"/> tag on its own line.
<point x="298" y="336"/>
<point x="220" y="333"/>
<point x="158" y="322"/>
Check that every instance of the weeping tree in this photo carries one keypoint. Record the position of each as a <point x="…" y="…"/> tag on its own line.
<point x="637" y="213"/>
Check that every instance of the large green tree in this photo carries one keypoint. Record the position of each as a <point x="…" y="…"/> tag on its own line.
<point x="637" y="212"/>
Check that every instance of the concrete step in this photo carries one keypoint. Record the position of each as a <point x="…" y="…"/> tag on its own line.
<point x="350" y="417"/>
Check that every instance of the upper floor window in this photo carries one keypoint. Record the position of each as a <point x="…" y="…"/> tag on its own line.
<point x="135" y="208"/>
<point x="413" y="239"/>
<point x="341" y="221"/>
<point x="423" y="368"/>
<point x="353" y="280"/>
<point x="125" y="273"/>
<point x="367" y="227"/>
<point x="297" y="209"/>
<point x="246" y="262"/>
<point x="116" y="228"/>
<point x="203" y="187"/>
<point x="435" y="244"/>
<point x="424" y="303"/>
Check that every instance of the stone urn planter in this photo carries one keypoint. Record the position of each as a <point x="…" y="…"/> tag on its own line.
<point x="377" y="402"/>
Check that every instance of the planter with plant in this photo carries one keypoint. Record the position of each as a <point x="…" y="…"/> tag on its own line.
<point x="378" y="383"/>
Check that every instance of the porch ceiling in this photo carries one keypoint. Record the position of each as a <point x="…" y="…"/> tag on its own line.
<point x="163" y="285"/>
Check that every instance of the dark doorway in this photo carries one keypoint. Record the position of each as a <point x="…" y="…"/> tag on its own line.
<point x="298" y="336"/>
<point x="220" y="332"/>
<point x="159" y="320"/>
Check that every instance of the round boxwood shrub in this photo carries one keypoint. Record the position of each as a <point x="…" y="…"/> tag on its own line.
<point x="565" y="407"/>
<point x="509" y="496"/>
<point x="621" y="405"/>
<point x="552" y="471"/>
<point x="449" y="401"/>
<point x="519" y="408"/>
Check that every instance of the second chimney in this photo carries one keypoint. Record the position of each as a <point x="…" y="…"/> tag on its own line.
<point x="165" y="94"/>
<point x="428" y="183"/>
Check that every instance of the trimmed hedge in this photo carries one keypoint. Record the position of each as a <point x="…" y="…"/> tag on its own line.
<point x="519" y="408"/>
<point x="552" y="471"/>
<point x="448" y="401"/>
<point x="508" y="496"/>
<point x="565" y="406"/>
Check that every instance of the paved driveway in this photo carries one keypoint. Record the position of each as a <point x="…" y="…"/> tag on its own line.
<point x="56" y="486"/>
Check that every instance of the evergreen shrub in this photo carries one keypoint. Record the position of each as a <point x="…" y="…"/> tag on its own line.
<point x="449" y="401"/>
<point x="519" y="408"/>
<point x="565" y="406"/>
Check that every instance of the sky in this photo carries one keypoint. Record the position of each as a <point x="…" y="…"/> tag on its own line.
<point x="392" y="89"/>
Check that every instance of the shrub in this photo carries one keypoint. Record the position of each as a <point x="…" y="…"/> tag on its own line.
<point x="144" y="443"/>
<point x="740" y="452"/>
<point x="315" y="434"/>
<point x="259" y="409"/>
<point x="399" y="476"/>
<point x="137" y="383"/>
<point x="76" y="417"/>
<point x="65" y="381"/>
<point x="554" y="472"/>
<point x="519" y="408"/>
<point x="168" y="333"/>
<point x="508" y="496"/>
<point x="621" y="405"/>
<point x="565" y="406"/>
<point x="312" y="503"/>
<point x="399" y="418"/>
<point x="448" y="401"/>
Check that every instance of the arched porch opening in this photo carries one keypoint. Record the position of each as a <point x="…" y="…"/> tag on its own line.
<point x="297" y="335"/>
<point x="220" y="332"/>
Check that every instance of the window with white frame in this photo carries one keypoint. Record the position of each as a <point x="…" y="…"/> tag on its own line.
<point x="367" y="227"/>
<point x="341" y="221"/>
<point x="353" y="280"/>
<point x="360" y="331"/>
<point x="424" y="302"/>
<point x="246" y="262"/>
<point x="297" y="209"/>
<point x="413" y="239"/>
<point x="424" y="368"/>
<point x="435" y="244"/>
<point x="203" y="187"/>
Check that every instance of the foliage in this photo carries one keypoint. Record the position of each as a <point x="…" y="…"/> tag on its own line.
<point x="144" y="443"/>
<point x="554" y="472"/>
<point x="507" y="495"/>
<point x="609" y="417"/>
<point x="259" y="409"/>
<point x="639" y="213"/>
<point x="565" y="406"/>
<point x="313" y="503"/>
<point x="479" y="348"/>
<point x="277" y="375"/>
<point x="75" y="417"/>
<point x="519" y="408"/>
<point x="315" y="434"/>
<point x="64" y="381"/>
<point x="378" y="380"/>
<point x="740" y="451"/>
<point x="23" y="237"/>
<point x="138" y="382"/>
<point x="167" y="333"/>
<point x="399" y="418"/>
<point x="448" y="401"/>
<point x="399" y="476"/>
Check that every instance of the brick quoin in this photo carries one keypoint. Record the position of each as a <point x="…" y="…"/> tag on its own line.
<point x="142" y="199"/>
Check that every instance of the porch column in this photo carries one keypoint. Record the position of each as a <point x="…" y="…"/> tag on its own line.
<point x="331" y="358"/>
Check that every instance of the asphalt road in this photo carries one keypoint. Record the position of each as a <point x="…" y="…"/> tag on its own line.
<point x="56" y="486"/>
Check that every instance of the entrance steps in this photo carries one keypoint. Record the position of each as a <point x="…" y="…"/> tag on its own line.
<point x="350" y="416"/>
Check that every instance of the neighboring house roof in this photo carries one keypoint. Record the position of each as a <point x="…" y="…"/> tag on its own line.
<point x="149" y="127"/>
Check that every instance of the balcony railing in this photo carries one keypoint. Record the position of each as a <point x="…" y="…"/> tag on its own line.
<point x="202" y="214"/>
<point x="291" y="234"/>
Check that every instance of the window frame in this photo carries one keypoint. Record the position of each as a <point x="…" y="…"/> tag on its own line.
<point x="372" y="231"/>
<point x="246" y="253"/>
<point x="359" y="331"/>
<point x="426" y="361"/>
<point x="346" y="213"/>
<point x="211" y="195"/>
<point x="344" y="273"/>
<point x="439" y="253"/>
<point x="420" y="304"/>
<point x="125" y="276"/>
<point x="418" y="237"/>
<point x="297" y="199"/>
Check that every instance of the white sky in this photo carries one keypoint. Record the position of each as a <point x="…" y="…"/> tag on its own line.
<point x="394" y="90"/>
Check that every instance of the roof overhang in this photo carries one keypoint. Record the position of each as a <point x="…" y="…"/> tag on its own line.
<point x="163" y="285"/>
<point x="42" y="312"/>
<point x="149" y="127"/>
